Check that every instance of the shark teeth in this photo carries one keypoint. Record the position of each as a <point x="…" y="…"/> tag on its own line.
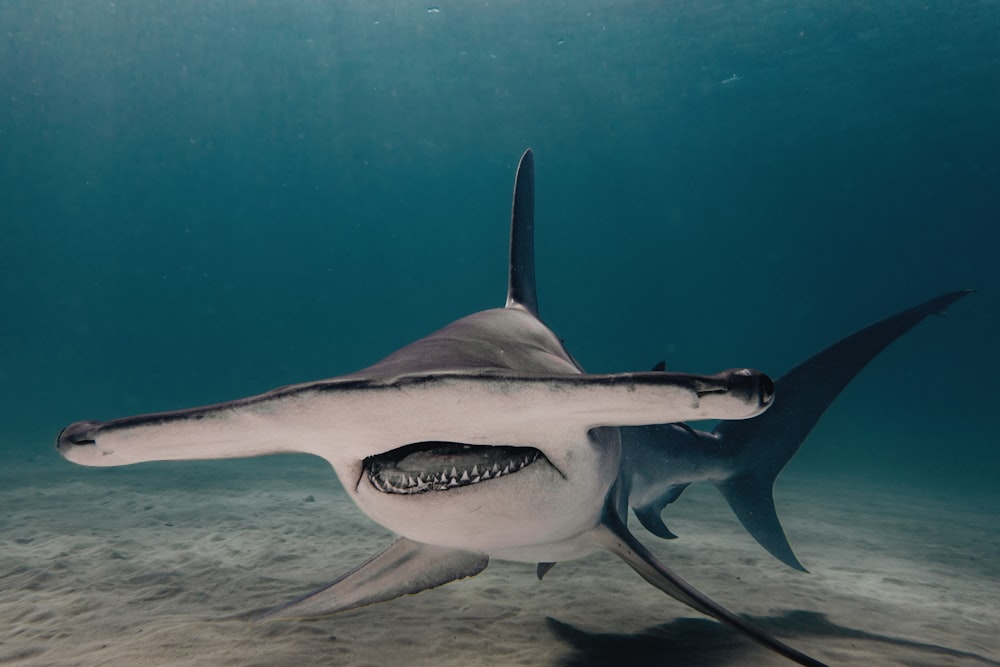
<point x="441" y="466"/>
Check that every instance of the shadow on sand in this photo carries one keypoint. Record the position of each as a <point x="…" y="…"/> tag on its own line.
<point x="696" y="642"/>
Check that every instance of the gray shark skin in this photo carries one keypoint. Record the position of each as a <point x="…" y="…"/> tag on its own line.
<point x="744" y="458"/>
<point x="483" y="440"/>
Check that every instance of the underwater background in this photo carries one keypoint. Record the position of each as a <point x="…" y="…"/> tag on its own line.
<point x="201" y="201"/>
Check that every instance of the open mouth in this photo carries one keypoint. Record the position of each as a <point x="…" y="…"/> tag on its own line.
<point x="440" y="466"/>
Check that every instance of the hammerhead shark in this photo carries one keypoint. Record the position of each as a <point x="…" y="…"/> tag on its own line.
<point x="486" y="439"/>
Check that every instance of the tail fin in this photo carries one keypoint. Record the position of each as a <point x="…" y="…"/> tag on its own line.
<point x="802" y="395"/>
<point x="521" y="279"/>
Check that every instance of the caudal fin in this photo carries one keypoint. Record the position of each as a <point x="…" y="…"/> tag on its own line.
<point x="802" y="395"/>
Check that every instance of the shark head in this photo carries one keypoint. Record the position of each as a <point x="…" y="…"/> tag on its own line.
<point x="532" y="491"/>
<point x="484" y="436"/>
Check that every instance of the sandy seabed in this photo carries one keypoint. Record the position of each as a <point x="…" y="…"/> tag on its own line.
<point x="166" y="564"/>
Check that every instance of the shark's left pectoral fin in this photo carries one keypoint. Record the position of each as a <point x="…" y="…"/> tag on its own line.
<point x="613" y="536"/>
<point x="405" y="567"/>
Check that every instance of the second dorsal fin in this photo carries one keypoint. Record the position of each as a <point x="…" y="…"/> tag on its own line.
<point x="521" y="277"/>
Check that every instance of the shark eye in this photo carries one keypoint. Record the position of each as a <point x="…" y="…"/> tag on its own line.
<point x="766" y="390"/>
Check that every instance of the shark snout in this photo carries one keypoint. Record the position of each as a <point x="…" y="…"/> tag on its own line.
<point x="753" y="385"/>
<point x="737" y="394"/>
<point x="78" y="443"/>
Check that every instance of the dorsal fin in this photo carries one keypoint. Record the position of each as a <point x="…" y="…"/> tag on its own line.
<point x="521" y="278"/>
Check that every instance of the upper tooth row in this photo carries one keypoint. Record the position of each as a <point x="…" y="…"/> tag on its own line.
<point x="444" y="480"/>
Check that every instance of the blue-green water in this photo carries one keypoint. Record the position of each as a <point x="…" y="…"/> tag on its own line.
<point x="201" y="201"/>
<point x="204" y="200"/>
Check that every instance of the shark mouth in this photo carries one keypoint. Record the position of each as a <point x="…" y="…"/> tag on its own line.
<point x="440" y="466"/>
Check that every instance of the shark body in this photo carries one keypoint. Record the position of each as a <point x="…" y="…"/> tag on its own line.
<point x="486" y="439"/>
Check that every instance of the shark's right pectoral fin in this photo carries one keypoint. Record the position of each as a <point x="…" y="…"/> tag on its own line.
<point x="405" y="567"/>
<point x="613" y="536"/>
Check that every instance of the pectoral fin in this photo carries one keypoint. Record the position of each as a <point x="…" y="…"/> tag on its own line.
<point x="613" y="536"/>
<point x="405" y="567"/>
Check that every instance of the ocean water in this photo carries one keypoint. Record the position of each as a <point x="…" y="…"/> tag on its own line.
<point x="202" y="201"/>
